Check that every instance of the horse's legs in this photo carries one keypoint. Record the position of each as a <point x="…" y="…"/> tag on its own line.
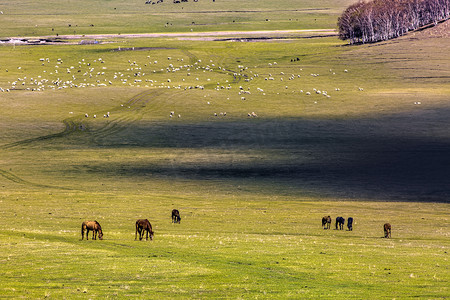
<point x="94" y="234"/>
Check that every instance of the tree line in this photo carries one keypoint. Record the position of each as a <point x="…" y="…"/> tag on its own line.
<point x="380" y="20"/>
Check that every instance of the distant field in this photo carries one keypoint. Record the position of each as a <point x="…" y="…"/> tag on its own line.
<point x="253" y="140"/>
<point x="37" y="18"/>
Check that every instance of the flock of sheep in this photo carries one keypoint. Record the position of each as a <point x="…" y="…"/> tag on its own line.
<point x="58" y="75"/>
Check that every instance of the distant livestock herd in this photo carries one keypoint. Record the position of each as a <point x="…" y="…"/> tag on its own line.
<point x="340" y="222"/>
<point x="143" y="226"/>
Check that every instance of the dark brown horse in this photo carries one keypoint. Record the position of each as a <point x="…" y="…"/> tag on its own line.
<point x="176" y="216"/>
<point x="340" y="221"/>
<point x="326" y="222"/>
<point x="387" y="230"/>
<point x="143" y="225"/>
<point x="350" y="223"/>
<point x="94" y="226"/>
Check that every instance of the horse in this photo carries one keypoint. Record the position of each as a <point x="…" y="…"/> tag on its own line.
<point x="176" y="216"/>
<point x="94" y="226"/>
<point x="350" y="223"/>
<point x="141" y="226"/>
<point x="326" y="222"/>
<point x="340" y="221"/>
<point x="387" y="230"/>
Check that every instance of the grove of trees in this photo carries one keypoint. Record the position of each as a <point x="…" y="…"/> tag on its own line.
<point x="379" y="20"/>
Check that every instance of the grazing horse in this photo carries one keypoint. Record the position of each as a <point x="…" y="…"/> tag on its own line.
<point x="94" y="226"/>
<point x="340" y="221"/>
<point x="326" y="222"/>
<point x="176" y="216"/>
<point x="350" y="223"/>
<point x="387" y="230"/>
<point x="142" y="226"/>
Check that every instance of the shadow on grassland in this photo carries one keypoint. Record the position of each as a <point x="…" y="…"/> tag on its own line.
<point x="401" y="157"/>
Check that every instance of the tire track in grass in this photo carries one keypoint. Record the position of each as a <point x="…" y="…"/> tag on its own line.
<point x="16" y="179"/>
<point x="134" y="114"/>
<point x="136" y="103"/>
<point x="70" y="126"/>
<point x="74" y="124"/>
<point x="11" y="177"/>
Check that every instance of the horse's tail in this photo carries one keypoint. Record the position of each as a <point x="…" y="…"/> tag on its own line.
<point x="82" y="230"/>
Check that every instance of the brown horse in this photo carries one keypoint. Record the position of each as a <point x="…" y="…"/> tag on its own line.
<point x="176" y="216"/>
<point x="387" y="230"/>
<point x="142" y="226"/>
<point x="326" y="222"/>
<point x="94" y="226"/>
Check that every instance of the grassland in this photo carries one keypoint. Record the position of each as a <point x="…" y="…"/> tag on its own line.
<point x="31" y="18"/>
<point x="251" y="190"/>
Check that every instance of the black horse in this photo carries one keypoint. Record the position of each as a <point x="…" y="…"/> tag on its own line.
<point x="176" y="216"/>
<point x="350" y="224"/>
<point x="340" y="221"/>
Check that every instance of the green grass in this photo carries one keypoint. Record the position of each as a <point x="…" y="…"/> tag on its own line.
<point x="37" y="18"/>
<point x="251" y="191"/>
<point x="226" y="246"/>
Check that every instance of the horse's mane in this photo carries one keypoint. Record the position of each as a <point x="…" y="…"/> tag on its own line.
<point x="148" y="225"/>
<point x="98" y="224"/>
